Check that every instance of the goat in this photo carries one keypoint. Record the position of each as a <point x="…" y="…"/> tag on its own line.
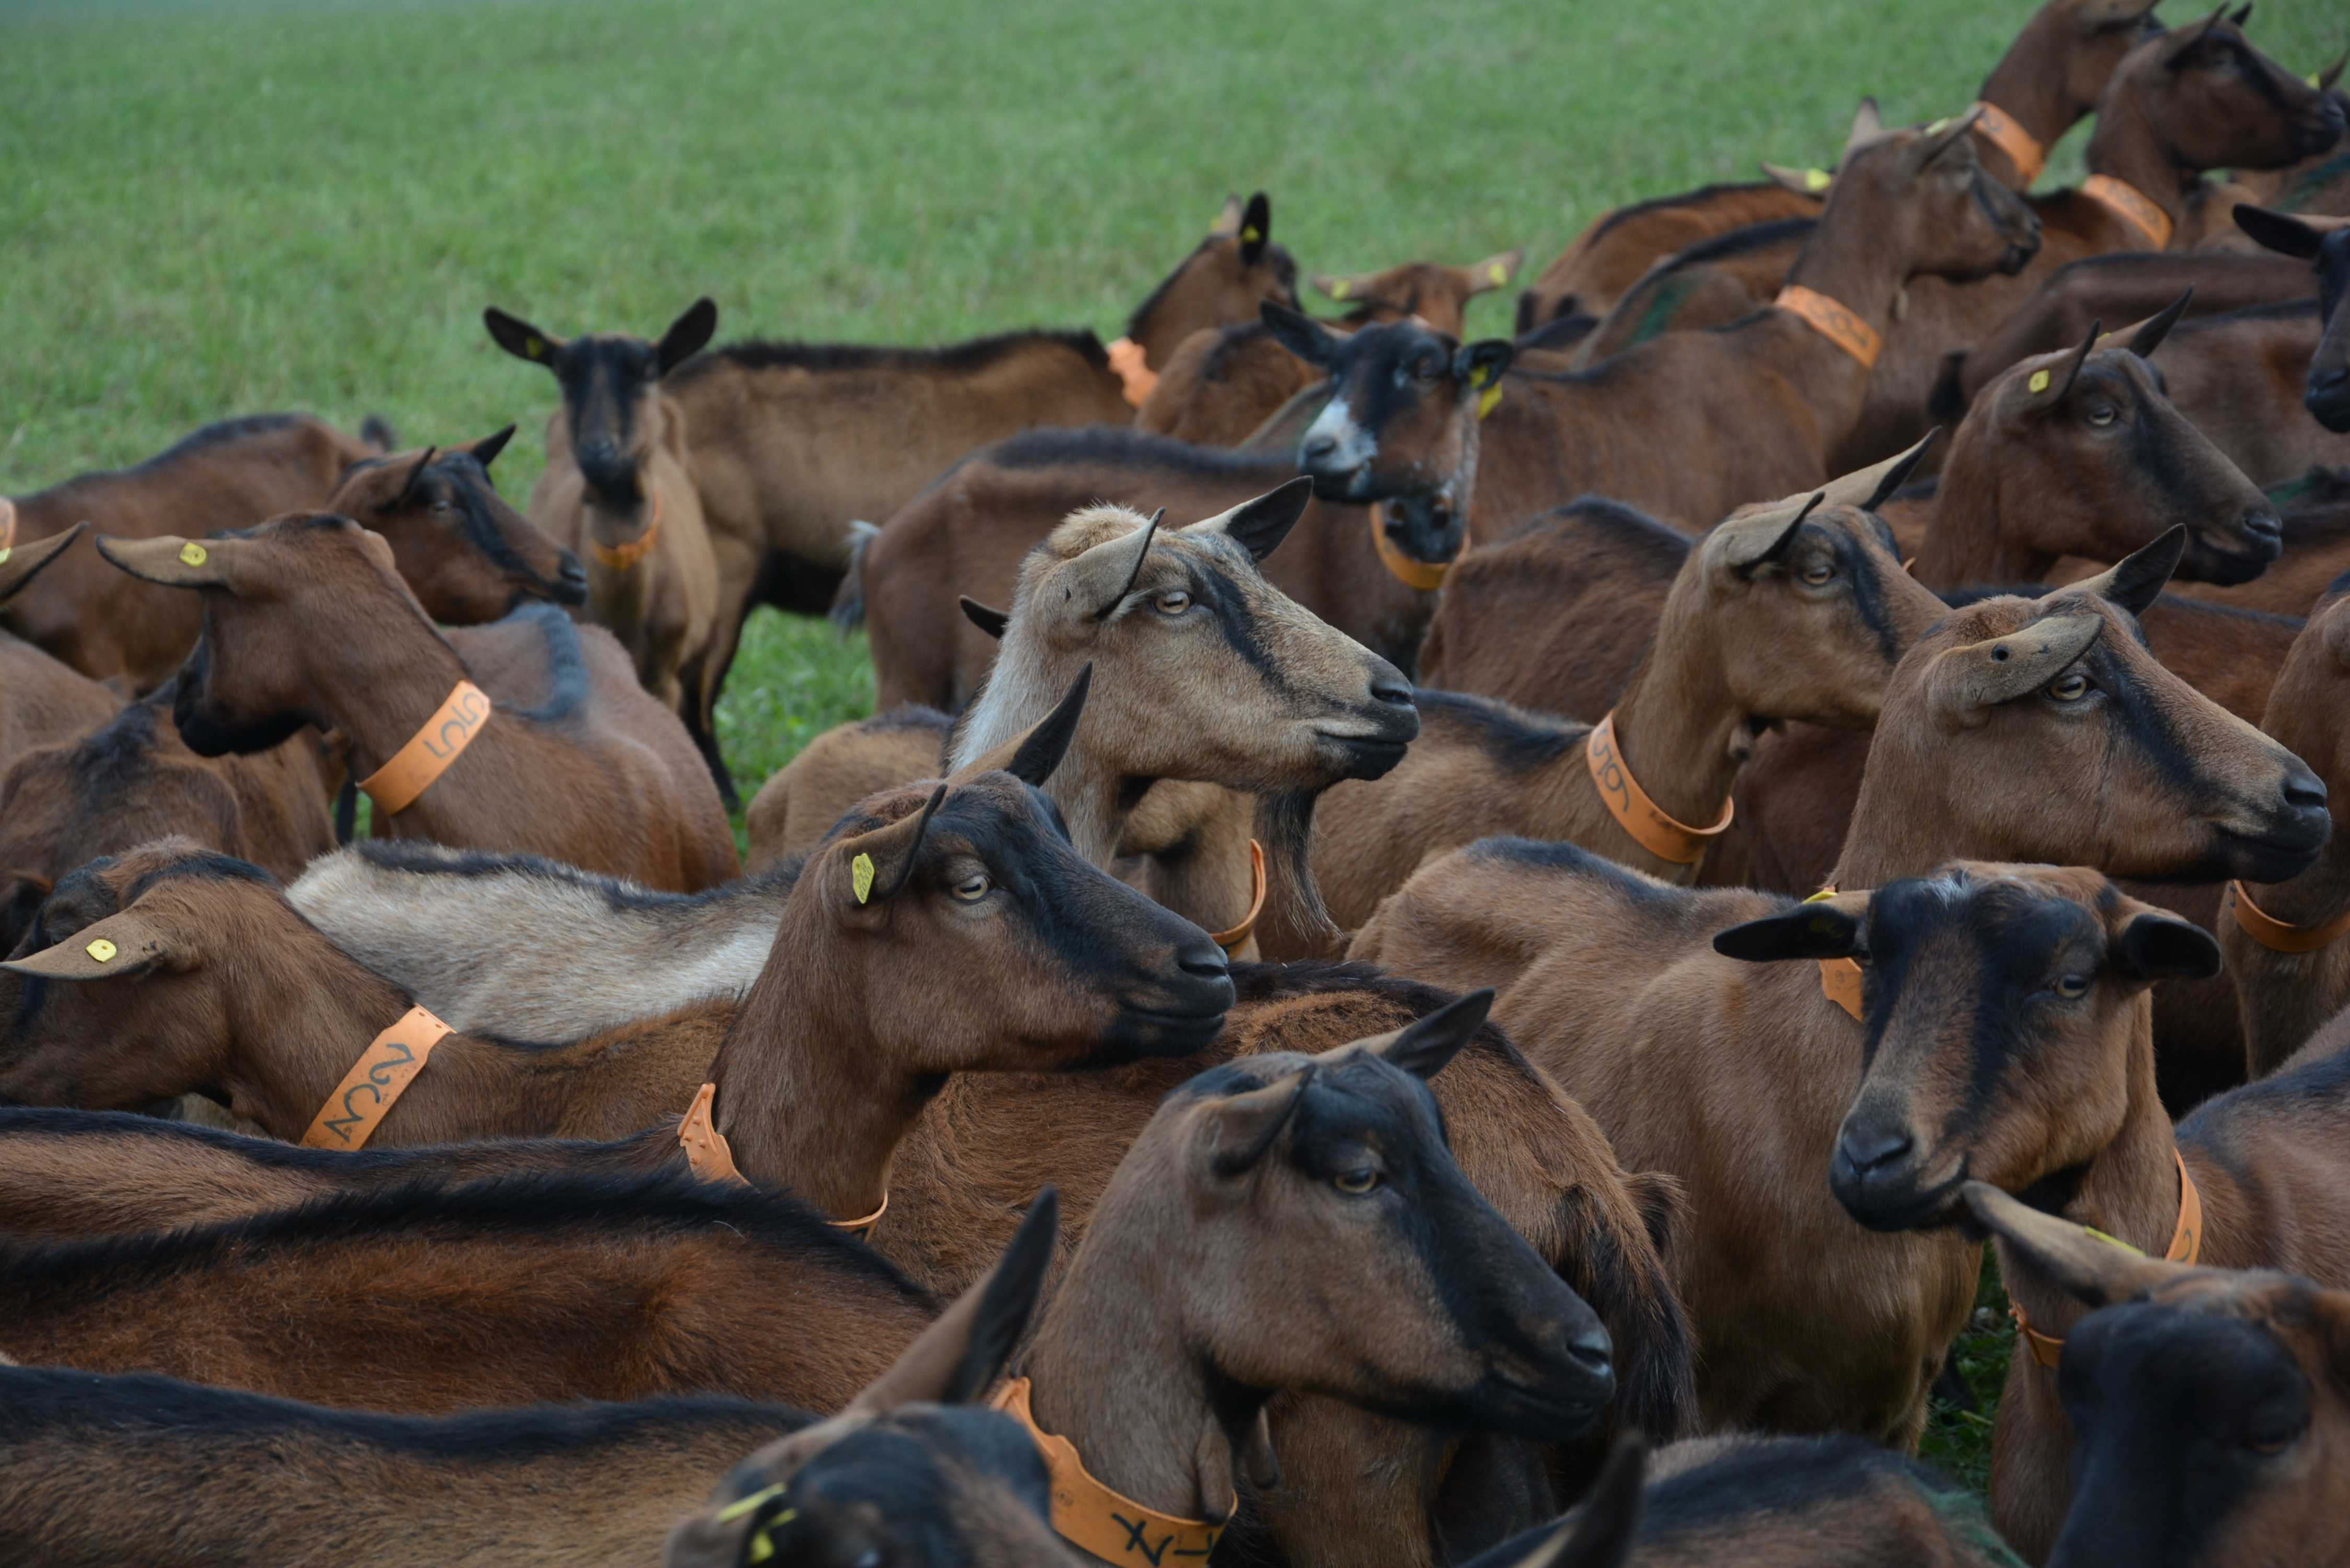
<point x="224" y="475"/>
<point x="305" y="621"/>
<point x="1687" y="426"/>
<point x="2007" y="1042"/>
<point x="2113" y="759"/>
<point x="1793" y="612"/>
<point x="2325" y="242"/>
<point x="1826" y="1503"/>
<point x="2204" y="1403"/>
<point x="2047" y="79"/>
<point x="41" y="700"/>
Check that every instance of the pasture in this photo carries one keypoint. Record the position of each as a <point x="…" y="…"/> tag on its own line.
<point x="218" y="207"/>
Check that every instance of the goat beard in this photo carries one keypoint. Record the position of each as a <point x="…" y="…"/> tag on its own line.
<point x="1295" y="920"/>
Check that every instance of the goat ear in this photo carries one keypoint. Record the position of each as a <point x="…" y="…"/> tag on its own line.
<point x="129" y="943"/>
<point x="1102" y="577"/>
<point x="2325" y="79"/>
<point x="2156" y="946"/>
<point x="1256" y="229"/>
<point x="1426" y="1045"/>
<point x="2194" y="41"/>
<point x="1228" y="220"/>
<point x="1830" y="929"/>
<point x="19" y="564"/>
<point x="1869" y="488"/>
<point x="2279" y="232"/>
<point x="1602" y="1532"/>
<point x="1750" y="544"/>
<point x="1260" y="525"/>
<point x="1300" y="334"/>
<point x="2240" y="15"/>
<point x="1480" y="365"/>
<point x="1494" y="272"/>
<point x="2148" y="337"/>
<point x="872" y="867"/>
<point x="1967" y="682"/>
<point x="2137" y="579"/>
<point x="486" y="451"/>
<point x="2047" y="393"/>
<point x="687" y="335"/>
<point x="1803" y="181"/>
<point x="1041" y="749"/>
<point x="954" y="1360"/>
<point x="1945" y="135"/>
<point x="2096" y="1271"/>
<point x="1241" y="1127"/>
<point x="1867" y="125"/>
<point x="991" y="621"/>
<point x="520" y="339"/>
<point x="173" y="562"/>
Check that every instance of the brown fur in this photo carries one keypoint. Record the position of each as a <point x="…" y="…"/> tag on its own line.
<point x="2239" y="376"/>
<point x="443" y="519"/>
<point x="41" y="700"/>
<point x="304" y="621"/>
<point x="1677" y="1070"/>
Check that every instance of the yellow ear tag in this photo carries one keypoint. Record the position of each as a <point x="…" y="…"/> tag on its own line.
<point x="2039" y="382"/>
<point x="860" y="876"/>
<point x="1488" y="400"/>
<point x="2312" y="78"/>
<point x="2096" y="1235"/>
<point x="6" y="551"/>
<point x="1822" y="896"/>
<point x="193" y="554"/>
<point x="742" y="1505"/>
<point x="1818" y="179"/>
<point x="1498" y="273"/>
<point x="1939" y="127"/>
<point x="534" y="346"/>
<point x="1340" y="288"/>
<point x="101" y="949"/>
<point x="1249" y="236"/>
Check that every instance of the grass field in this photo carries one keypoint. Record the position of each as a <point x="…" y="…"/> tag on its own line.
<point x="223" y="208"/>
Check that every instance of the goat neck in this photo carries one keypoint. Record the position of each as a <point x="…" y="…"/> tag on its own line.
<point x="1849" y="260"/>
<point x="2127" y="146"/>
<point x="1678" y="727"/>
<point x="297" y="1026"/>
<point x="1964" y="541"/>
<point x="381" y="697"/>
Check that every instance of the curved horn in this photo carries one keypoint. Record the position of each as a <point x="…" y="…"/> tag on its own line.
<point x="1150" y="532"/>
<point x="2080" y="357"/>
<point x="2148" y="337"/>
<point x="415" y="475"/>
<point x="1041" y="749"/>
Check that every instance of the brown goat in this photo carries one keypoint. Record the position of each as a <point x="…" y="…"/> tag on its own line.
<point x="1791" y="611"/>
<point x="305" y="621"/>
<point x="2108" y="757"/>
<point x="1687" y="426"/>
<point x="2206" y="1404"/>
<point x="2007" y="1042"/>
<point x="41" y="700"/>
<point x="224" y="475"/>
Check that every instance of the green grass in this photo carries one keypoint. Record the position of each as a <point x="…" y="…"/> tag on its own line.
<point x="215" y="208"/>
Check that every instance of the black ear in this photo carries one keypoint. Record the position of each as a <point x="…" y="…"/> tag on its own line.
<point x="991" y="621"/>
<point x="1042" y="749"/>
<point x="2163" y="947"/>
<point x="1806" y="931"/>
<point x="1898" y="474"/>
<point x="1301" y="335"/>
<point x="519" y="338"/>
<point x="1256" y="228"/>
<point x="1009" y="1301"/>
<point x="1424" y="1046"/>
<point x="2148" y="337"/>
<point x="2136" y="582"/>
<point x="1480" y="364"/>
<point x="486" y="451"/>
<point x="1260" y="525"/>
<point x="2278" y="232"/>
<point x="2242" y="13"/>
<point x="687" y="335"/>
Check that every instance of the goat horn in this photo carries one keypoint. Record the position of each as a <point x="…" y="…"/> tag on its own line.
<point x="486" y="450"/>
<point x="1883" y="477"/>
<point x="22" y="561"/>
<point x="2148" y="337"/>
<point x="991" y="621"/>
<point x="1150" y="532"/>
<point x="1247" y="1123"/>
<point x="1042" y="749"/>
<point x="2080" y="358"/>
<point x="415" y="474"/>
<point x="953" y="1361"/>
<point x="1951" y="133"/>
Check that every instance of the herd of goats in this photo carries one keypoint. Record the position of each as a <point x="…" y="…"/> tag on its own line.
<point x="1172" y="1086"/>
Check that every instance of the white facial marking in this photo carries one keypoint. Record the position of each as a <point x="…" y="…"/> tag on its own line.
<point x="1352" y="446"/>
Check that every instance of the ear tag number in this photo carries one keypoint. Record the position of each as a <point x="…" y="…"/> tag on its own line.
<point x="193" y="554"/>
<point x="101" y="949"/>
<point x="860" y="876"/>
<point x="1818" y="179"/>
<point x="2039" y="382"/>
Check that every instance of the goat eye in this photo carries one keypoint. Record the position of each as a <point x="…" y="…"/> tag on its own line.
<point x="2073" y="987"/>
<point x="1818" y="572"/>
<point x="1174" y="601"/>
<point x="972" y="888"/>
<point x="2102" y="414"/>
<point x="2069" y="686"/>
<point x="1356" y="1181"/>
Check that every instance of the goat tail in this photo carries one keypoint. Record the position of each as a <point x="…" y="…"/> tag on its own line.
<point x="848" y="602"/>
<point x="376" y="432"/>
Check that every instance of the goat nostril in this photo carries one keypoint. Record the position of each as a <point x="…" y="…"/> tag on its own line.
<point x="1392" y="690"/>
<point x="1318" y="447"/>
<point x="1203" y="960"/>
<point x="2261" y="523"/>
<point x="1869" y="1151"/>
<point x="1593" y="1348"/>
<point x="2304" y="791"/>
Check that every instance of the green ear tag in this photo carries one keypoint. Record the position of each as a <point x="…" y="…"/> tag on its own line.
<point x="860" y="876"/>
<point x="1818" y="179"/>
<point x="2039" y="382"/>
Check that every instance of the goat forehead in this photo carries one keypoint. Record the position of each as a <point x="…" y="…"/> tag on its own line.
<point x="2180" y="1362"/>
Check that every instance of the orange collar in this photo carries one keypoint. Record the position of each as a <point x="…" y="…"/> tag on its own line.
<point x="2274" y="934"/>
<point x="436" y="744"/>
<point x="620" y="557"/>
<point x="1125" y="358"/>
<point x="382" y="1073"/>
<point x="1409" y="570"/>
<point x="1240" y="933"/>
<point x="2023" y="150"/>
<point x="1661" y="835"/>
<point x="2186" y="1244"/>
<point x="710" y="1156"/>
<point x="2132" y="206"/>
<point x="1839" y="978"/>
<point x="1094" y="1517"/>
<point x="1832" y="320"/>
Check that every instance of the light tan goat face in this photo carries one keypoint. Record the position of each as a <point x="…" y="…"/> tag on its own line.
<point x="1202" y="669"/>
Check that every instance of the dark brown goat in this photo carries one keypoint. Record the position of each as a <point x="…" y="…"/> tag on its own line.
<point x="306" y="622"/>
<point x="2095" y="751"/>
<point x="466" y="556"/>
<point x="224" y="475"/>
<point x="2008" y="1043"/>
<point x="2325" y="242"/>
